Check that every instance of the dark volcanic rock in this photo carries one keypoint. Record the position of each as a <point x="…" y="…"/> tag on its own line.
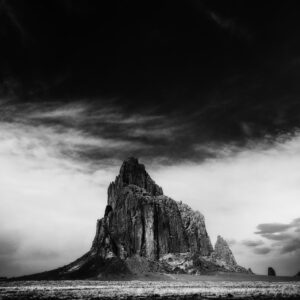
<point x="140" y="220"/>
<point x="271" y="272"/>
<point x="143" y="230"/>
<point x="140" y="224"/>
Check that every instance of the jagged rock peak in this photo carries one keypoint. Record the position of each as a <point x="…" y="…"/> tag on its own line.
<point x="132" y="173"/>
<point x="223" y="252"/>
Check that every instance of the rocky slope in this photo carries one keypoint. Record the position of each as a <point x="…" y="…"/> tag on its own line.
<point x="143" y="230"/>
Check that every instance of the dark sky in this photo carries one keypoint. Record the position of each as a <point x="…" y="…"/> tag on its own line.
<point x="227" y="70"/>
<point x="224" y="72"/>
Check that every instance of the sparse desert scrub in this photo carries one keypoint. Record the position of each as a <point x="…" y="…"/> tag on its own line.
<point x="148" y="289"/>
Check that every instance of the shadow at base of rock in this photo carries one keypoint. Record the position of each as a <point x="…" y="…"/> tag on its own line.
<point x="92" y="267"/>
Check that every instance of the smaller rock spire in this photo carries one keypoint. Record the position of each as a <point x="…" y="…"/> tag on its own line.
<point x="223" y="252"/>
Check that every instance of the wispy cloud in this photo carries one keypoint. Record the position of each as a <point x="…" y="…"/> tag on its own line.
<point x="262" y="250"/>
<point x="54" y="142"/>
<point x="72" y="111"/>
<point x="74" y="131"/>
<point x="253" y="243"/>
<point x="276" y="236"/>
<point x="82" y="112"/>
<point x="86" y="131"/>
<point x="272" y="228"/>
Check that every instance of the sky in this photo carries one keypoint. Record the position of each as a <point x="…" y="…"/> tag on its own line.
<point x="204" y="93"/>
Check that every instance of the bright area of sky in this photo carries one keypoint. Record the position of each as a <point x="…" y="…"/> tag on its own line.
<point x="49" y="203"/>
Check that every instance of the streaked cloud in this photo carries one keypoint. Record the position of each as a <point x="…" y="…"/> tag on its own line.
<point x="272" y="228"/>
<point x="73" y="111"/>
<point x="262" y="250"/>
<point x="252" y="243"/>
<point x="286" y="235"/>
<point x="276" y="236"/>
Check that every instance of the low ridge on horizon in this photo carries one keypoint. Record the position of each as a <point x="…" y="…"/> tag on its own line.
<point x="144" y="231"/>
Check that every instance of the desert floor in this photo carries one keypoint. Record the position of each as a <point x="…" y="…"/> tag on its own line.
<point x="158" y="286"/>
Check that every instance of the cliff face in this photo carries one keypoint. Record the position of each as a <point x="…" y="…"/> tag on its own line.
<point x="194" y="227"/>
<point x="140" y="220"/>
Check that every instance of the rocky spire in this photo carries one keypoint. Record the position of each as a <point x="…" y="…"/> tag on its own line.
<point x="222" y="252"/>
<point x="132" y="172"/>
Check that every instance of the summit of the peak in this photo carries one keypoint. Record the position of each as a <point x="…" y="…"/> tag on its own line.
<point x="131" y="160"/>
<point x="133" y="173"/>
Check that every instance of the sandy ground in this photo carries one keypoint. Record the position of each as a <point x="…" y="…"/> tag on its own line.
<point x="229" y="277"/>
<point x="158" y="286"/>
<point x="235" y="277"/>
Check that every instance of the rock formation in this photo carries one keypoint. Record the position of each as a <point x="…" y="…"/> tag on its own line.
<point x="223" y="253"/>
<point x="271" y="272"/>
<point x="143" y="230"/>
<point x="140" y="220"/>
<point x="223" y="256"/>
